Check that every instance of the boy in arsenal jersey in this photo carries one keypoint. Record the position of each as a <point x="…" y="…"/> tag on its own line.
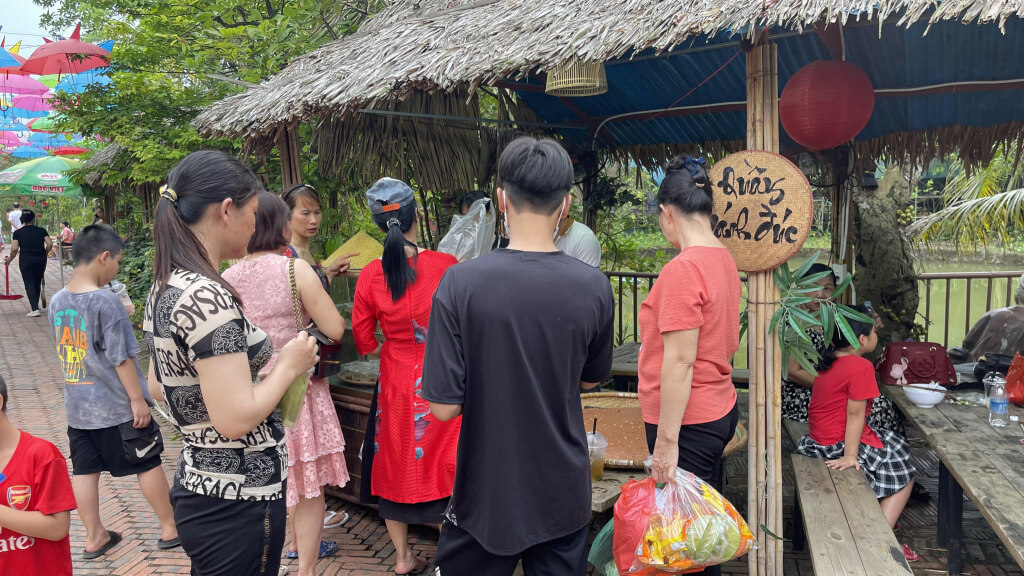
<point x="35" y="503"/>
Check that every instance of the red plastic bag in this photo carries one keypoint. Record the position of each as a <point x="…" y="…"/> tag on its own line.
<point x="1015" y="380"/>
<point x="632" y="511"/>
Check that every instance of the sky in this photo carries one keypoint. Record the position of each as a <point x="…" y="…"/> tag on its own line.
<point x="20" y="21"/>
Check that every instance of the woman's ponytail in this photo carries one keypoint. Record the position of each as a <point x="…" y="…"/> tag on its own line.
<point x="397" y="271"/>
<point x="200" y="179"/>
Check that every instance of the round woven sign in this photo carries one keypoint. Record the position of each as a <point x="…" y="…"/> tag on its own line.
<point x="763" y="208"/>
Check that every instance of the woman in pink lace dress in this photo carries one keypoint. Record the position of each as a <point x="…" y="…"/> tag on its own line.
<point x="315" y="443"/>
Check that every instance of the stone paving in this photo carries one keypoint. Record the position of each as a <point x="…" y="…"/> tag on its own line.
<point x="30" y="367"/>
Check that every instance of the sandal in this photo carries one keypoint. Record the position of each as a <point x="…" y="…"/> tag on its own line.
<point x="920" y="493"/>
<point x="909" y="554"/>
<point x="330" y="522"/>
<point x="327" y="548"/>
<point x="115" y="539"/>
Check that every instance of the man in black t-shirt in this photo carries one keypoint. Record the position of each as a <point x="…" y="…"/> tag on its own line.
<point x="513" y="337"/>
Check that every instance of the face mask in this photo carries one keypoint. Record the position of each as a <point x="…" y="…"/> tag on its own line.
<point x="559" y="221"/>
<point x="504" y="219"/>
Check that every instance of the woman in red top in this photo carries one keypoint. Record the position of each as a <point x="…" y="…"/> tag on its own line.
<point x="689" y="326"/>
<point x="841" y="397"/>
<point x="411" y="453"/>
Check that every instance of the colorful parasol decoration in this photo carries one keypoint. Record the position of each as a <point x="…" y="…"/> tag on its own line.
<point x="69" y="150"/>
<point x="7" y="69"/>
<point x="22" y="85"/>
<point x="44" y="124"/>
<point x="10" y="139"/>
<point x="9" y="123"/>
<point x="78" y="83"/>
<point x="32" y="103"/>
<point x="71" y="56"/>
<point x="29" y="152"/>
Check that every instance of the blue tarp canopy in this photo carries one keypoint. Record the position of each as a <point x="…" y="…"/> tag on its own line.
<point x="955" y="75"/>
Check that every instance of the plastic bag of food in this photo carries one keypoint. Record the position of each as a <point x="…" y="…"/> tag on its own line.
<point x="691" y="527"/>
<point x="601" y="550"/>
<point x="471" y="235"/>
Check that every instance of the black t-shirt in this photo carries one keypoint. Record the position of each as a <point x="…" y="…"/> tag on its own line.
<point x="30" y="240"/>
<point x="511" y="336"/>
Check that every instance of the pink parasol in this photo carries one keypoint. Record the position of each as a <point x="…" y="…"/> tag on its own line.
<point x="69" y="151"/>
<point x="12" y="84"/>
<point x="10" y="139"/>
<point x="32" y="103"/>
<point x="70" y="56"/>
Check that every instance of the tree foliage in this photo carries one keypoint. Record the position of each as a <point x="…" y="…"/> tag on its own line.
<point x="982" y="206"/>
<point x="172" y="57"/>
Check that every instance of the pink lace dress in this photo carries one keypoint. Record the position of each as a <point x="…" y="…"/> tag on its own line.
<point x="315" y="445"/>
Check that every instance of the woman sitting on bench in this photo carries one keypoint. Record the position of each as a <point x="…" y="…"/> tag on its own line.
<point x="841" y="397"/>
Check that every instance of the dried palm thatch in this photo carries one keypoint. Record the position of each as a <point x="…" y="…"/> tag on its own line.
<point x="440" y="45"/>
<point x="422" y="56"/>
<point x="94" y="169"/>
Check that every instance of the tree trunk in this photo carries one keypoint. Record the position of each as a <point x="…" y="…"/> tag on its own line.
<point x="884" y="273"/>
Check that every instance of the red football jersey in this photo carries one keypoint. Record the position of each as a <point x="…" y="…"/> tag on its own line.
<point x="36" y="479"/>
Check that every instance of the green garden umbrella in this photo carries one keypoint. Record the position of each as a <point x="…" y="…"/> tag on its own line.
<point x="40" y="177"/>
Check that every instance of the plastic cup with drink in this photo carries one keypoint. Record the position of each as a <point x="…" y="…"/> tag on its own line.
<point x="596" y="446"/>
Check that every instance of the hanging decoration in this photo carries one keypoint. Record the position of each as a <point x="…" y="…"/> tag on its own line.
<point x="826" y="104"/>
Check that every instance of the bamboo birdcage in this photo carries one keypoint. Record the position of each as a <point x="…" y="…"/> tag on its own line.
<point x="577" y="78"/>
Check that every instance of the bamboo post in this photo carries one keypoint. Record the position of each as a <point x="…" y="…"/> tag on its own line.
<point x="764" y="467"/>
<point x="288" y="148"/>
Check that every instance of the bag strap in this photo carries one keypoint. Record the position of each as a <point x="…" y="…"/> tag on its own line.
<point x="296" y="306"/>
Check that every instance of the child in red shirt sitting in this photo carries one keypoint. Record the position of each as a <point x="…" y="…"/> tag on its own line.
<point x="841" y="396"/>
<point x="35" y="503"/>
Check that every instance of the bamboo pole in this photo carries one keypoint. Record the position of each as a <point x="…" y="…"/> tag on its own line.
<point x="765" y="455"/>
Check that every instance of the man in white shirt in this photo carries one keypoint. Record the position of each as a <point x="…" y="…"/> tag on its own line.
<point x="14" y="217"/>
<point x="577" y="240"/>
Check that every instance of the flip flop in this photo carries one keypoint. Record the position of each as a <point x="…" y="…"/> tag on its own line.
<point x="329" y="519"/>
<point x="115" y="539"/>
<point x="168" y="544"/>
<point x="909" y="554"/>
<point x="327" y="548"/>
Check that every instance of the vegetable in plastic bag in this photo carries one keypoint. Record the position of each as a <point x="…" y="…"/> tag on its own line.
<point x="689" y="527"/>
<point x="471" y="235"/>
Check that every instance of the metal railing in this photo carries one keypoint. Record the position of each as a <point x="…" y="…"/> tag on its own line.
<point x="630" y="288"/>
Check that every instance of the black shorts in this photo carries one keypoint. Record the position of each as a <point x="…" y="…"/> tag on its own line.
<point x="95" y="451"/>
<point x="459" y="554"/>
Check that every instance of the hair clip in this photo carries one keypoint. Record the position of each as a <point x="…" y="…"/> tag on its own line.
<point x="168" y="193"/>
<point x="394" y="222"/>
<point x="694" y="164"/>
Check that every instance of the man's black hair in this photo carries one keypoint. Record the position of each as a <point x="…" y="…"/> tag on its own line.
<point x="3" y="393"/>
<point x="95" y="240"/>
<point x="536" y="174"/>
<point x="470" y="198"/>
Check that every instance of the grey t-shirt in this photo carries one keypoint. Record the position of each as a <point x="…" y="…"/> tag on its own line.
<point x="93" y="336"/>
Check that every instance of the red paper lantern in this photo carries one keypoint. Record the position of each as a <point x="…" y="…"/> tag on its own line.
<point x="826" y="104"/>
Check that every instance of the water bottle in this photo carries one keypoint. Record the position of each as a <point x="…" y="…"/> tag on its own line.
<point x="998" y="405"/>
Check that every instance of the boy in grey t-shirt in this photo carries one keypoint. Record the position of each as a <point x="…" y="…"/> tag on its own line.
<point x="110" y="427"/>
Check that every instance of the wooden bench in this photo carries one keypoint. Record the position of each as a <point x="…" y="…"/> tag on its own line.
<point x="839" y="516"/>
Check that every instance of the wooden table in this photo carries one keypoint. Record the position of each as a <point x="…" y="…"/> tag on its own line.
<point x="624" y="368"/>
<point x="984" y="462"/>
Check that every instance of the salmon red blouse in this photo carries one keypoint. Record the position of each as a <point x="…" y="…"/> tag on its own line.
<point x="698" y="289"/>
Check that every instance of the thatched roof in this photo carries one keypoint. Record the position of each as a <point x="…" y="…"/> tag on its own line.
<point x="94" y="168"/>
<point x="438" y="45"/>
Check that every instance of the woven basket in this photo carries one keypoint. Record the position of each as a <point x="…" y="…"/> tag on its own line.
<point x="577" y="78"/>
<point x="631" y="400"/>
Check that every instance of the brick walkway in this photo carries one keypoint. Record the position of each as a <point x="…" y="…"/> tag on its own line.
<point x="30" y="366"/>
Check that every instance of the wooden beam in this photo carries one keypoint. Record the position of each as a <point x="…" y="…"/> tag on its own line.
<point x="288" y="148"/>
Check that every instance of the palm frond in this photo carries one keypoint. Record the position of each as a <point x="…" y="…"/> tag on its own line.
<point x="974" y="222"/>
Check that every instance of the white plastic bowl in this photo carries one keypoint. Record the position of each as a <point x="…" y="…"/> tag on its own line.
<point x="925" y="398"/>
